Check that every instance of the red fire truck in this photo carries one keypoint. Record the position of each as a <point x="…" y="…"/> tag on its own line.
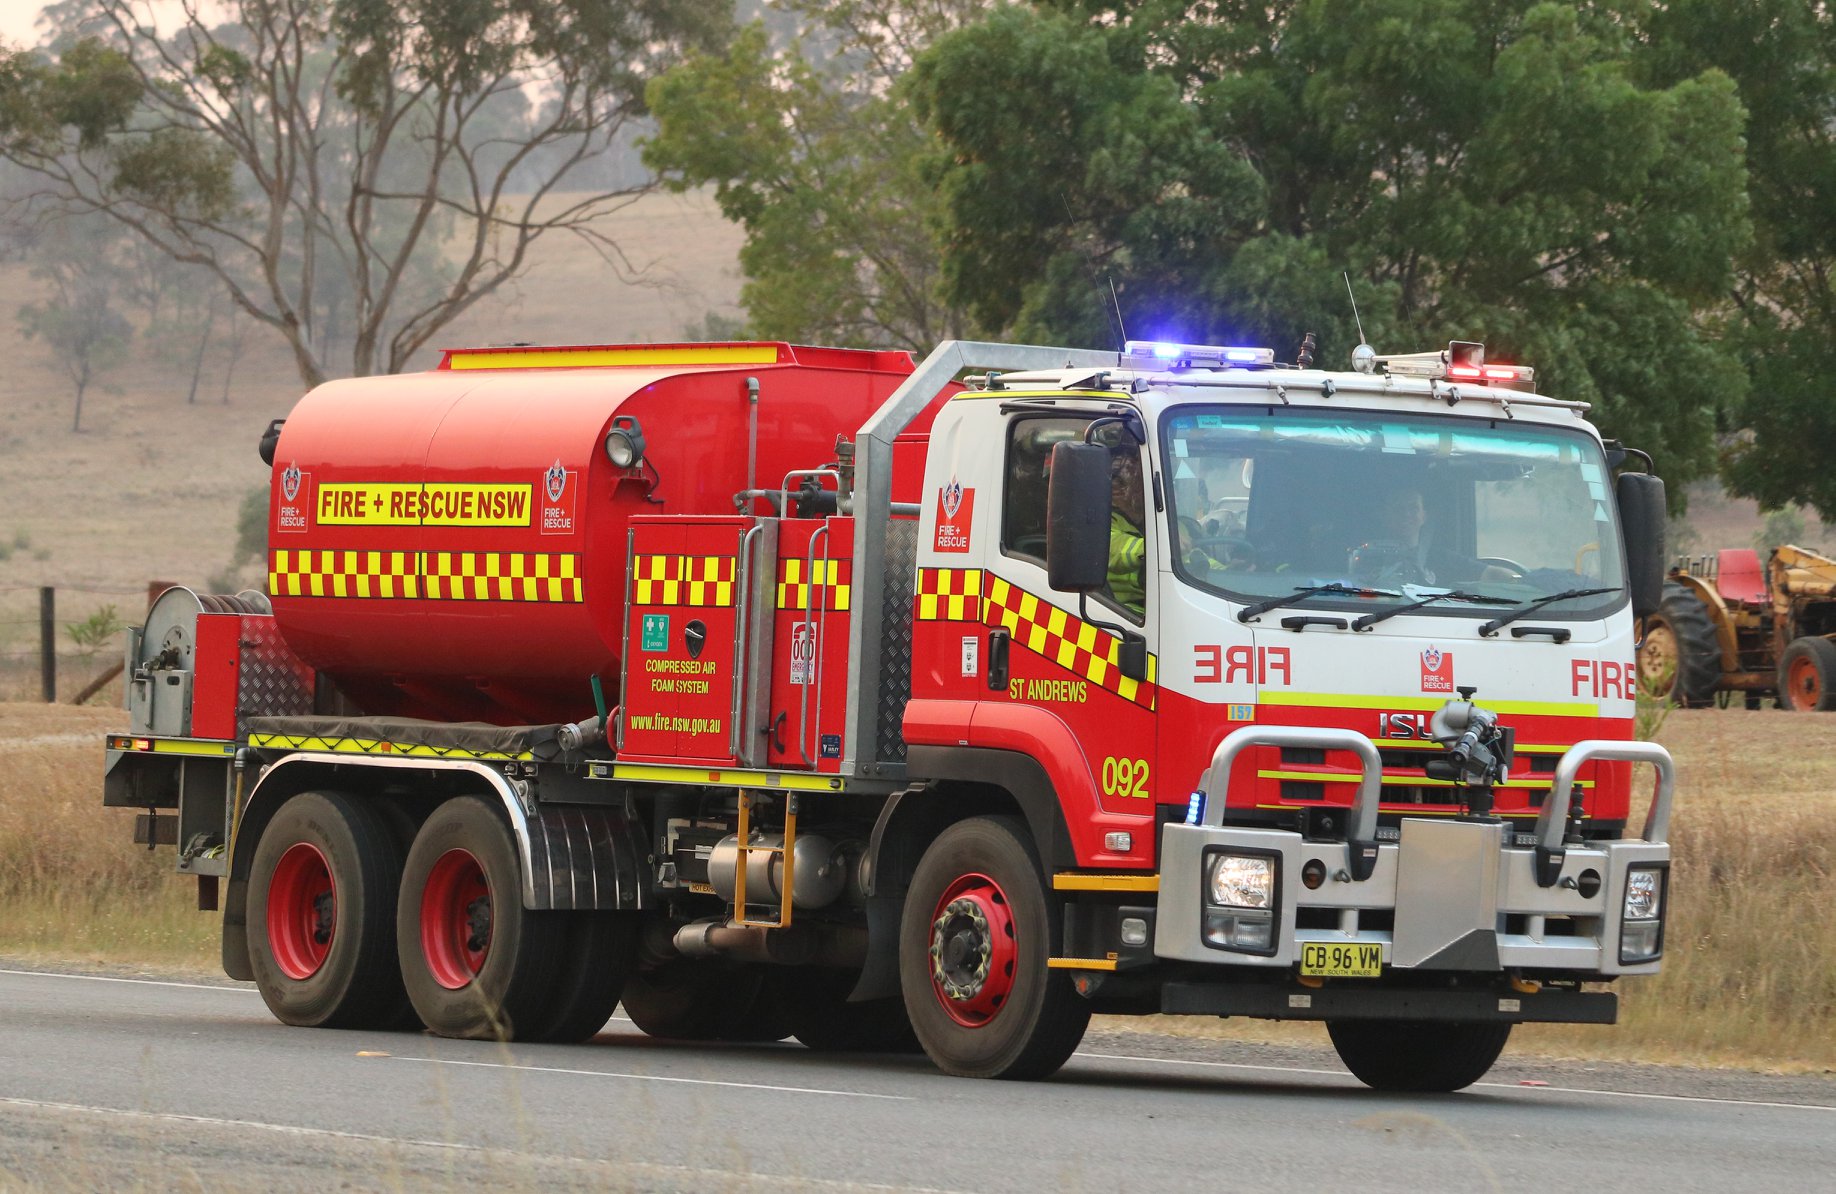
<point x="778" y="690"/>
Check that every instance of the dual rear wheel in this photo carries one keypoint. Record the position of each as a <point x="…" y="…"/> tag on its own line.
<point x="348" y="930"/>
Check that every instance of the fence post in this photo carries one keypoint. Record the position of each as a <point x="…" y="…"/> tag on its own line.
<point x="47" y="643"/>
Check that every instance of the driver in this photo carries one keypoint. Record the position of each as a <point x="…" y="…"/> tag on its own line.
<point x="1127" y="532"/>
<point x="1398" y="547"/>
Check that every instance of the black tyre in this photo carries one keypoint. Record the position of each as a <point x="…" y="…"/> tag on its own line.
<point x="1680" y="658"/>
<point x="1807" y="676"/>
<point x="974" y="941"/>
<point x="814" y="1005"/>
<point x="599" y="954"/>
<point x="703" y="999"/>
<point x="476" y="963"/>
<point x="321" y="915"/>
<point x="1417" y="1056"/>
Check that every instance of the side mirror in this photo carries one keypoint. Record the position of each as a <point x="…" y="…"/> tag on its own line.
<point x="1642" y="514"/>
<point x="1077" y="518"/>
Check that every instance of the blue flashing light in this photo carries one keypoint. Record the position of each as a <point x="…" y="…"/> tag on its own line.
<point x="1248" y="356"/>
<point x="1168" y="352"/>
<point x="1195" y="808"/>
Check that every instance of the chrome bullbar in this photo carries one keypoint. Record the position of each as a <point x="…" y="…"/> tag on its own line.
<point x="1448" y="895"/>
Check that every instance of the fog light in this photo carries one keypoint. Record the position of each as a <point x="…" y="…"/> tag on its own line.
<point x="1134" y="931"/>
<point x="1119" y="843"/>
<point x="1244" y="931"/>
<point x="1313" y="874"/>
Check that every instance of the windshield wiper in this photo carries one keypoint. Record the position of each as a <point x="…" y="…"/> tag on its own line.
<point x="1299" y="595"/>
<point x="1529" y="607"/>
<point x="1369" y="620"/>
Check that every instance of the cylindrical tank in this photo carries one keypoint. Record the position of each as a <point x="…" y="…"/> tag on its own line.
<point x="452" y="544"/>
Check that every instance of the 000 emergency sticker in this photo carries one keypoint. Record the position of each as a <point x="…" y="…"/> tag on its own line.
<point x="971" y="655"/>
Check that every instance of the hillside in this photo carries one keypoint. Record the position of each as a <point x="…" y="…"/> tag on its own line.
<point x="149" y="489"/>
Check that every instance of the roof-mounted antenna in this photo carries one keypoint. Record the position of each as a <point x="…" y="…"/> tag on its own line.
<point x="1117" y="303"/>
<point x="1364" y="357"/>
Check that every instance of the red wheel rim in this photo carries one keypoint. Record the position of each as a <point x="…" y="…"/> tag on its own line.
<point x="1805" y="683"/>
<point x="302" y="911"/>
<point x="974" y="952"/>
<point x="456" y="919"/>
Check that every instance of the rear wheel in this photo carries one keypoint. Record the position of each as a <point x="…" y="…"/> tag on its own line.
<point x="1807" y="675"/>
<point x="1417" y="1056"/>
<point x="1680" y="658"/>
<point x="598" y="956"/>
<point x="476" y="963"/>
<point x="321" y="915"/>
<point x="973" y="946"/>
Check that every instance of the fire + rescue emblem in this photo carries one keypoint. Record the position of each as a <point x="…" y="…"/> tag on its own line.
<point x="1437" y="670"/>
<point x="290" y="482"/>
<point x="955" y="511"/>
<point x="556" y="479"/>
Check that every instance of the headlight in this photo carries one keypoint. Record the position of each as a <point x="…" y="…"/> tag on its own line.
<point x="1241" y="881"/>
<point x="1644" y="895"/>
<point x="1641" y="921"/>
<point x="1241" y="898"/>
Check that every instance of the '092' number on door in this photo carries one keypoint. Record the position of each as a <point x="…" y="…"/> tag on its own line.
<point x="1125" y="777"/>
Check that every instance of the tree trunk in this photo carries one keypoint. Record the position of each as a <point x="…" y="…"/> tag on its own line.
<point x="197" y="360"/>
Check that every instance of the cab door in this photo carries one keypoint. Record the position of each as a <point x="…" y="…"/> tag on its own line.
<point x="1051" y="653"/>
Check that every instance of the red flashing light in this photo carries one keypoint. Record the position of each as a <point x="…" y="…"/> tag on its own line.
<point x="1471" y="372"/>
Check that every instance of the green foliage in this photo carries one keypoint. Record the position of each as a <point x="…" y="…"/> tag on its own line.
<point x="100" y="629"/>
<point x="1484" y="171"/>
<point x="820" y="162"/>
<point x="1781" y="55"/>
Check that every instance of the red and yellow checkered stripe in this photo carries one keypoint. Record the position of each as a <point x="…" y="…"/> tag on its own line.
<point x="680" y="580"/>
<point x="427" y="575"/>
<point x="833" y="576"/>
<point x="973" y="595"/>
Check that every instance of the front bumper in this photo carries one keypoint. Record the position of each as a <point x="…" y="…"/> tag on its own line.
<point x="1466" y="897"/>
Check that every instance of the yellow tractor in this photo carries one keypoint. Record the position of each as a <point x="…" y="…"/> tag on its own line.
<point x="1728" y="626"/>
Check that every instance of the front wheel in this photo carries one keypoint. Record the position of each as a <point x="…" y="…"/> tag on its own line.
<point x="477" y="964"/>
<point x="321" y="918"/>
<point x="1417" y="1056"/>
<point x="1807" y="675"/>
<point x="973" y="948"/>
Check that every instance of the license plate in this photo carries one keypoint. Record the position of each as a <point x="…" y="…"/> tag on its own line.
<point x="1326" y="959"/>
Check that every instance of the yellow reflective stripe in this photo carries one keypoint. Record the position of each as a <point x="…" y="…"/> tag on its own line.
<point x="1075" y="881"/>
<point x="1404" y="781"/>
<point x="578" y="358"/>
<point x="664" y="773"/>
<point x="1080" y="963"/>
<point x="1337" y="700"/>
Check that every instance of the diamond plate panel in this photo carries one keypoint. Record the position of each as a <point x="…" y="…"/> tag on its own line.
<point x="273" y="681"/>
<point x="896" y="637"/>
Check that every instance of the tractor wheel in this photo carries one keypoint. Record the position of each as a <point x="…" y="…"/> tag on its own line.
<point x="477" y="964"/>
<point x="703" y="999"/>
<point x="1807" y="675"/>
<point x="1414" y="1056"/>
<point x="321" y="915"/>
<point x="598" y="957"/>
<point x="1680" y="658"/>
<point x="974" y="941"/>
<point x="814" y="1005"/>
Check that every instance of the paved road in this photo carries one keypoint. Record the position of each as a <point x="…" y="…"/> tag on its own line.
<point x="112" y="1082"/>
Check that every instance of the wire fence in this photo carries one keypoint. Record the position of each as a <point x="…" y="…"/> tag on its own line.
<point x="73" y="647"/>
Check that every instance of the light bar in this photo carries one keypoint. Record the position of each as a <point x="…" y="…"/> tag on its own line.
<point x="1463" y="361"/>
<point x="1186" y="356"/>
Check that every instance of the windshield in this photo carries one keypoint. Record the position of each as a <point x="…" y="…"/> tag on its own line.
<point x="1264" y="504"/>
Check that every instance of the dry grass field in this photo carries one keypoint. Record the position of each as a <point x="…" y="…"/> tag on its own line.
<point x="1750" y="978"/>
